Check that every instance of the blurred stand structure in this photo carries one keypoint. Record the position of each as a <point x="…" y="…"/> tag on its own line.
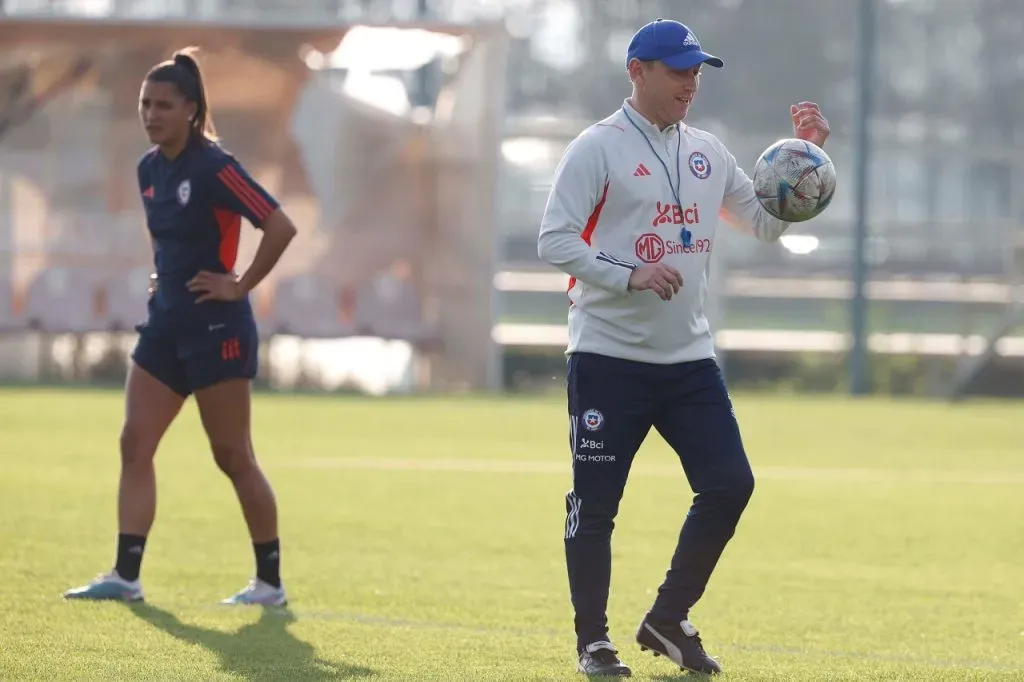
<point x="418" y="161"/>
<point x="385" y="288"/>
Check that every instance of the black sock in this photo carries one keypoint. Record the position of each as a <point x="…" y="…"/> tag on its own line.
<point x="129" y="555"/>
<point x="268" y="561"/>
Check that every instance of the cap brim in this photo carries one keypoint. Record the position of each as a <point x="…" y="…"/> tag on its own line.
<point x="690" y="59"/>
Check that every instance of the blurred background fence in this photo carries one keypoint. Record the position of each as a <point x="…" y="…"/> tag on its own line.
<point x="417" y="161"/>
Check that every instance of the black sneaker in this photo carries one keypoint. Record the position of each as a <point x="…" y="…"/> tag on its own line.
<point x="600" y="658"/>
<point x="679" y="642"/>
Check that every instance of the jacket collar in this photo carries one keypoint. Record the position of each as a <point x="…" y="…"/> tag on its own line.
<point x="644" y="124"/>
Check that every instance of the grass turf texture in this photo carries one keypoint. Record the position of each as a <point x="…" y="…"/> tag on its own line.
<point x="422" y="540"/>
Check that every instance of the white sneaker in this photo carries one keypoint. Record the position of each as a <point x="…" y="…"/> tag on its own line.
<point x="259" y="593"/>
<point x="108" y="586"/>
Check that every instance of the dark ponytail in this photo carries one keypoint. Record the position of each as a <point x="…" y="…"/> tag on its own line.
<point x="183" y="70"/>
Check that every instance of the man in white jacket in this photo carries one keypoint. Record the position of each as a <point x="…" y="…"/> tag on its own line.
<point x="631" y="218"/>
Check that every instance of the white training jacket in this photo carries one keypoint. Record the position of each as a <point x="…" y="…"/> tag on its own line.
<point x="612" y="208"/>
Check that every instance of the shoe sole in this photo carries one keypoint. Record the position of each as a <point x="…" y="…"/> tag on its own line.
<point x="625" y="673"/>
<point x="127" y="600"/>
<point x="646" y="647"/>
<point x="253" y="603"/>
<point x="657" y="653"/>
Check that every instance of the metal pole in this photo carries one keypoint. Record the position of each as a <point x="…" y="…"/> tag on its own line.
<point x="860" y="383"/>
<point x="422" y="95"/>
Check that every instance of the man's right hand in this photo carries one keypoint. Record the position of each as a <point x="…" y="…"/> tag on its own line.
<point x="662" y="279"/>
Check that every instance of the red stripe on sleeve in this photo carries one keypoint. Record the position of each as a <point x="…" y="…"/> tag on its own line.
<point x="245" y="193"/>
<point x="265" y="208"/>
<point x="588" y="231"/>
<point x="595" y="216"/>
<point x="238" y="191"/>
<point x="251" y="191"/>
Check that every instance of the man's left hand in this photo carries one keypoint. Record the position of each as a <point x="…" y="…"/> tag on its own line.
<point x="809" y="124"/>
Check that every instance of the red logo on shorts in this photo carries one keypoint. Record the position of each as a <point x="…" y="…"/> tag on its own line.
<point x="231" y="349"/>
<point x="650" y="248"/>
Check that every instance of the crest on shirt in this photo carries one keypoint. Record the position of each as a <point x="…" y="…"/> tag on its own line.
<point x="184" y="192"/>
<point x="699" y="165"/>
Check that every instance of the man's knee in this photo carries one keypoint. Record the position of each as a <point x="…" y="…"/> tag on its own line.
<point x="741" y="485"/>
<point x="730" y="494"/>
<point x="588" y="518"/>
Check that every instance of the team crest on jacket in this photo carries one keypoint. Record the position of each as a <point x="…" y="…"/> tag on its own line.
<point x="593" y="420"/>
<point x="699" y="165"/>
<point x="184" y="192"/>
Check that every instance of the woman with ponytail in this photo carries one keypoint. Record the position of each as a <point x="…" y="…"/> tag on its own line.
<point x="200" y="336"/>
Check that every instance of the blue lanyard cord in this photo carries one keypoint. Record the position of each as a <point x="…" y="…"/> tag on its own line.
<point x="684" y="234"/>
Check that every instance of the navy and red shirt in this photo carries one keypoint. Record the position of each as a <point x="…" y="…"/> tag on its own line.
<point x="194" y="208"/>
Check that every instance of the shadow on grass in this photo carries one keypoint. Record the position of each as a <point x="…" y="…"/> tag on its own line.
<point x="263" y="650"/>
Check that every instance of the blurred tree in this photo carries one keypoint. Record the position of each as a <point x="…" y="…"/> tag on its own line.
<point x="778" y="53"/>
<point x="1001" y="68"/>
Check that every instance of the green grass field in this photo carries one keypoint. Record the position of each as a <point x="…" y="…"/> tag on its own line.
<point x="422" y="540"/>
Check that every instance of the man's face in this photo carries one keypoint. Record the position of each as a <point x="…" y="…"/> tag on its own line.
<point x="667" y="92"/>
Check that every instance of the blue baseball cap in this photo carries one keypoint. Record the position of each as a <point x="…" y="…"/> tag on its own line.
<point x="671" y="43"/>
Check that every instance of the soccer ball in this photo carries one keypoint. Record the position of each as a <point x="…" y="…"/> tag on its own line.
<point x="794" y="180"/>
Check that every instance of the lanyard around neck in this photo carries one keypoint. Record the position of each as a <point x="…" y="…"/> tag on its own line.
<point x="684" y="234"/>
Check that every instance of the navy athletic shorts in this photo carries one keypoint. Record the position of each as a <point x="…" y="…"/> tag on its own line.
<point x="189" y="362"/>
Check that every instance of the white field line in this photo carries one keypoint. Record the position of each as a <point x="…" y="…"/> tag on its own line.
<point x="765" y="473"/>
